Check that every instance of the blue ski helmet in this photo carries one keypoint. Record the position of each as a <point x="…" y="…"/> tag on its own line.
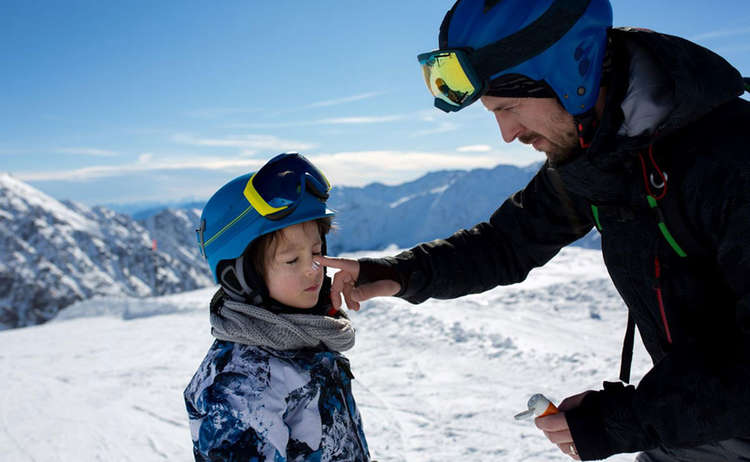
<point x="561" y="43"/>
<point x="287" y="190"/>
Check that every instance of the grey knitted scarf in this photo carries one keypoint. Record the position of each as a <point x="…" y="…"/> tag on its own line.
<point x="251" y="325"/>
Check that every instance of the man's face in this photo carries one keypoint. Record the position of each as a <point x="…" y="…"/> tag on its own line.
<point x="540" y="122"/>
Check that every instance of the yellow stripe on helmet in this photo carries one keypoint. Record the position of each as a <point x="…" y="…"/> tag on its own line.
<point x="252" y="196"/>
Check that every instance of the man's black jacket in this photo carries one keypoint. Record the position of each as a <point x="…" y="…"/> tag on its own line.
<point x="676" y="102"/>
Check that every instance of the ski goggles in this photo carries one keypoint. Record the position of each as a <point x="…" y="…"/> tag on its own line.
<point x="451" y="78"/>
<point x="278" y="187"/>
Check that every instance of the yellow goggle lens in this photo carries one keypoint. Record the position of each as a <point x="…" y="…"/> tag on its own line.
<point x="446" y="78"/>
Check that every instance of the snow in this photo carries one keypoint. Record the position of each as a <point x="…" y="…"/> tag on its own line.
<point x="439" y="381"/>
<point x="27" y="197"/>
<point x="60" y="252"/>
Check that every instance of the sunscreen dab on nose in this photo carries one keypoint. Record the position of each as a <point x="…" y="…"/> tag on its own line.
<point x="538" y="406"/>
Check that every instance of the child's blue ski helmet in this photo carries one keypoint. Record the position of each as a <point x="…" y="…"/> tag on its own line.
<point x="558" y="42"/>
<point x="287" y="190"/>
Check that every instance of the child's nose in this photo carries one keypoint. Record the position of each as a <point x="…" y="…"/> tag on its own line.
<point x="314" y="267"/>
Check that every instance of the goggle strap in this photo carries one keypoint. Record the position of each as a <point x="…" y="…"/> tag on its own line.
<point x="283" y="213"/>
<point x="530" y="41"/>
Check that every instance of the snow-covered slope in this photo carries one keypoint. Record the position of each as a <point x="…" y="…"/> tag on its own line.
<point x="436" y="382"/>
<point x="55" y="253"/>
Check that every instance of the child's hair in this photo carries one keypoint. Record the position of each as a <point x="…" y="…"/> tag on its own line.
<point x="258" y="249"/>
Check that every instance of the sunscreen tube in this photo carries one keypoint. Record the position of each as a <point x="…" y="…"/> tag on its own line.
<point x="538" y="406"/>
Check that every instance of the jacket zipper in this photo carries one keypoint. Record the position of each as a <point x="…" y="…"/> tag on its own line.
<point x="657" y="273"/>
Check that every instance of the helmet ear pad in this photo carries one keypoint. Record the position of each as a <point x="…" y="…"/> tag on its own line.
<point x="241" y="281"/>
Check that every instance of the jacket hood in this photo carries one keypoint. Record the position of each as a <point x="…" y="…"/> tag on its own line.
<point x="700" y="79"/>
<point x="660" y="84"/>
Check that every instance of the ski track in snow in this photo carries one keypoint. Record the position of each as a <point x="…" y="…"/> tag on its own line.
<point x="439" y="381"/>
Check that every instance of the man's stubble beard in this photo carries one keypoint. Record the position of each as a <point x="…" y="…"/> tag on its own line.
<point x="566" y="147"/>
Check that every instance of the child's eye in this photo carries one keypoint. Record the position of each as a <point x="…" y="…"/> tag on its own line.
<point x="291" y="262"/>
<point x="318" y="253"/>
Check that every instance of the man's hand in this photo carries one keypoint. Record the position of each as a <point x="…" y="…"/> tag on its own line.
<point x="556" y="428"/>
<point x="344" y="280"/>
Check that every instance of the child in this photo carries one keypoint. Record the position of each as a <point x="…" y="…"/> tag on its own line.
<point x="273" y="386"/>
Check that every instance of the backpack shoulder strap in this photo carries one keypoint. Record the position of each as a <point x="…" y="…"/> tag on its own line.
<point x="627" y="350"/>
<point x="667" y="203"/>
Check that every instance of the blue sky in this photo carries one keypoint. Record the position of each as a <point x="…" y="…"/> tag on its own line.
<point x="124" y="101"/>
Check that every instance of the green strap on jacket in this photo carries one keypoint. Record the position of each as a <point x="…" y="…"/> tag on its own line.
<point x="663" y="227"/>
<point x="595" y="211"/>
<point x="661" y="224"/>
<point x="655" y="206"/>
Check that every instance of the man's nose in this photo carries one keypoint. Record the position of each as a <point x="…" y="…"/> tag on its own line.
<point x="509" y="127"/>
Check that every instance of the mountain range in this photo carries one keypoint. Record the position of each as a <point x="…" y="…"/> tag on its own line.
<point x="58" y="252"/>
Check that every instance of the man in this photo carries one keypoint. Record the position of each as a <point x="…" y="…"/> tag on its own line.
<point x="647" y="139"/>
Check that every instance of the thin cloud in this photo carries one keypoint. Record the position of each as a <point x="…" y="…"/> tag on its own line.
<point x="360" y="120"/>
<point x="722" y="33"/>
<point x="349" y="99"/>
<point x="328" y="103"/>
<point x="145" y="163"/>
<point x="354" y="120"/>
<point x="249" y="144"/>
<point x="475" y="148"/>
<point x="219" y="112"/>
<point x="145" y="158"/>
<point x="87" y="152"/>
<point x="442" y="127"/>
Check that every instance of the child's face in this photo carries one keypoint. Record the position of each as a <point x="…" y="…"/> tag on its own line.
<point x="290" y="276"/>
